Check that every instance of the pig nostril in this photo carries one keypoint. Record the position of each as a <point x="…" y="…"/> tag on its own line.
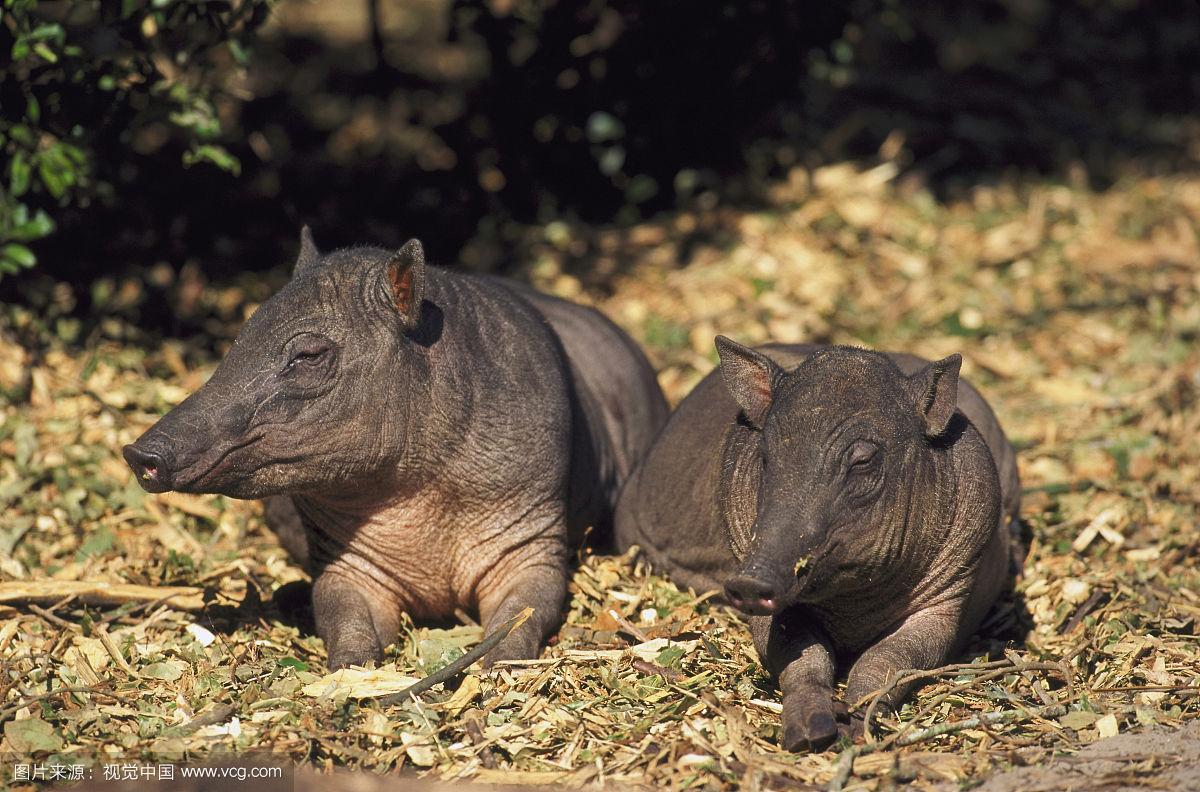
<point x="743" y="590"/>
<point x="149" y="467"/>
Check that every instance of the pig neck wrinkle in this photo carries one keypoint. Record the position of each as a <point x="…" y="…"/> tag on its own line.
<point x="738" y="484"/>
<point x="365" y="497"/>
<point x="919" y="541"/>
<point x="960" y="538"/>
<point x="887" y="579"/>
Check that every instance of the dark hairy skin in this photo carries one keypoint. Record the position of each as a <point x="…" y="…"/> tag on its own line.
<point x="425" y="441"/>
<point x="859" y="507"/>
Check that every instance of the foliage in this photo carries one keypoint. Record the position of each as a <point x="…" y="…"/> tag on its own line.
<point x="460" y="120"/>
<point x="92" y="87"/>
<point x="620" y="107"/>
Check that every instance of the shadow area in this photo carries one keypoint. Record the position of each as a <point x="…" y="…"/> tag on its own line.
<point x="475" y="127"/>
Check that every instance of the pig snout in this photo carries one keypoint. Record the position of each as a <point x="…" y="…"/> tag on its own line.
<point x="775" y="571"/>
<point x="151" y="467"/>
<point x="757" y="590"/>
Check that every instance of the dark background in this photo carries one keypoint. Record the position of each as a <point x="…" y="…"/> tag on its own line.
<point x="473" y="125"/>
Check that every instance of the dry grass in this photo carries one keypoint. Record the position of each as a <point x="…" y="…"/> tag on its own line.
<point x="1077" y="314"/>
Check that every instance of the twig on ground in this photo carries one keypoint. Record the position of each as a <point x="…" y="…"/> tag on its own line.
<point x="12" y="709"/>
<point x="1021" y="668"/>
<point x="650" y="669"/>
<point x="48" y="592"/>
<point x="131" y="607"/>
<point x="113" y="652"/>
<point x="219" y="713"/>
<point x="1035" y="684"/>
<point x="914" y="675"/>
<point x="54" y="618"/>
<point x="626" y="625"/>
<point x="845" y="761"/>
<point x="486" y="756"/>
<point x="1148" y="689"/>
<point x="461" y="664"/>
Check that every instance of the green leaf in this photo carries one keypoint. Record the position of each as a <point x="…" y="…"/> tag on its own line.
<point x="22" y="134"/>
<point x="1078" y="720"/>
<point x="56" y="172"/>
<point x="291" y="662"/>
<point x="40" y="226"/>
<point x="48" y="31"/>
<point x="167" y="671"/>
<point x="31" y="735"/>
<point x="670" y="656"/>
<point x="13" y="533"/>
<point x="45" y="52"/>
<point x="239" y="52"/>
<point x="602" y="126"/>
<point x="98" y="542"/>
<point x="19" y="255"/>
<point x="641" y="189"/>
<point x="217" y="155"/>
<point x="18" y="174"/>
<point x="25" y="443"/>
<point x="72" y="155"/>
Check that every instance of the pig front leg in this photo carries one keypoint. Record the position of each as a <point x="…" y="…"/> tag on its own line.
<point x="354" y="628"/>
<point x="285" y="522"/>
<point x="801" y="658"/>
<point x="922" y="641"/>
<point x="540" y="584"/>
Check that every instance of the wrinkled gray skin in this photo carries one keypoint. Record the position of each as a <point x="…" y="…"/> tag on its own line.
<point x="858" y="462"/>
<point x="426" y="441"/>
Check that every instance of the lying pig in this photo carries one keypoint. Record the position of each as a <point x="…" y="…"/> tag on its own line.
<point x="440" y="440"/>
<point x="856" y="505"/>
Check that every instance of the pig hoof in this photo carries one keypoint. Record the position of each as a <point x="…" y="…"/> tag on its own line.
<point x="511" y="650"/>
<point x="357" y="656"/>
<point x="850" y="729"/>
<point x="816" y="733"/>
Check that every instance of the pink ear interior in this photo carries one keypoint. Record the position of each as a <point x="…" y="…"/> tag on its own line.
<point x="402" y="286"/>
<point x="750" y="378"/>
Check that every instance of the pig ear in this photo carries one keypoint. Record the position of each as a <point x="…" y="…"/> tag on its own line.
<point x="405" y="275"/>
<point x="309" y="255"/>
<point x="750" y="376"/>
<point x="937" y="393"/>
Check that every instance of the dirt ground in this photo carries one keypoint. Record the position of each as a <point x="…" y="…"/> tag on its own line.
<point x="1076" y="312"/>
<point x="1155" y="758"/>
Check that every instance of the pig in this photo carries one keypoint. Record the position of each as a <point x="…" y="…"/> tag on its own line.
<point x="427" y="440"/>
<point x="857" y="506"/>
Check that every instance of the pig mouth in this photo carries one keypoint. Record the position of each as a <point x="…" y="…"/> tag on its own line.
<point x="196" y="476"/>
<point x="758" y="590"/>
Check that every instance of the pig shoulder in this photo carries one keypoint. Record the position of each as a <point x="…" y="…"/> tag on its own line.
<point x="617" y="406"/>
<point x="668" y="507"/>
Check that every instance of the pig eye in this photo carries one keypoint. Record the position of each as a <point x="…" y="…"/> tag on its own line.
<point x="860" y="454"/>
<point x="307" y="351"/>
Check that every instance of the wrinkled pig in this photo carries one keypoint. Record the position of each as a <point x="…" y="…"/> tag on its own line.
<point x="433" y="440"/>
<point x="857" y="505"/>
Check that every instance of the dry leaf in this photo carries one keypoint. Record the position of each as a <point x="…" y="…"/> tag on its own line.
<point x="359" y="683"/>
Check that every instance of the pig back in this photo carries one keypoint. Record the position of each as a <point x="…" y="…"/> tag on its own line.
<point x="617" y="406"/>
<point x="669" y="506"/>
